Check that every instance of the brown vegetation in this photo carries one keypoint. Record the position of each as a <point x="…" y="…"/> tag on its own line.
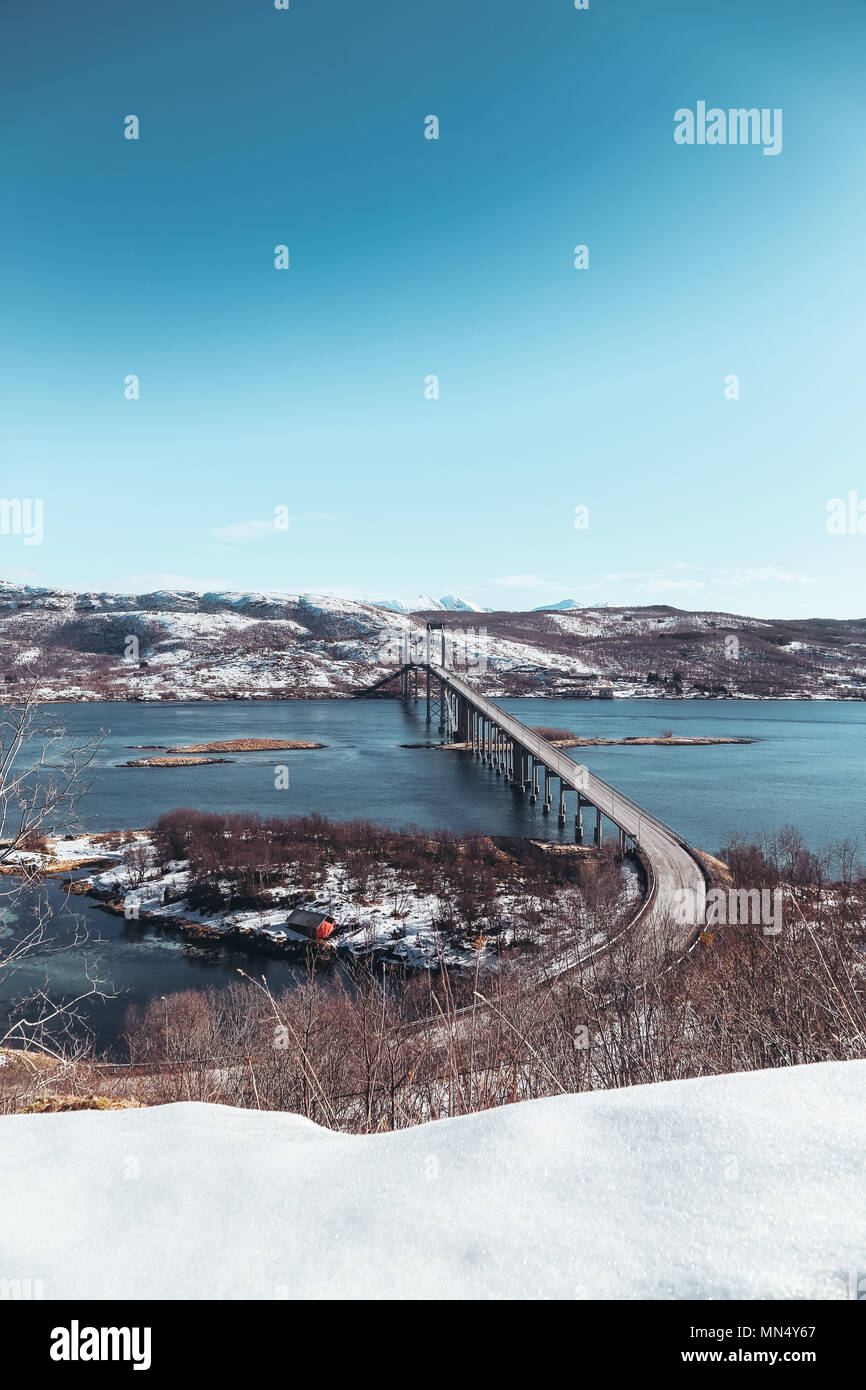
<point x="386" y="1052"/>
<point x="554" y="735"/>
<point x="233" y="860"/>
<point x="243" y="745"/>
<point x="173" y="762"/>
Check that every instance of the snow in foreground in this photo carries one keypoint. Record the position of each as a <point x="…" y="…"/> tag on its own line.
<point x="734" y="1186"/>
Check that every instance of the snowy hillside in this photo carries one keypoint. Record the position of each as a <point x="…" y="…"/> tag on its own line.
<point x="182" y="646"/>
<point x="733" y="1186"/>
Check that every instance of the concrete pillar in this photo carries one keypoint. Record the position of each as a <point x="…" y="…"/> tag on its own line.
<point x="533" y="790"/>
<point x="462" y="720"/>
<point x="578" y="821"/>
<point x="598" y="827"/>
<point x="523" y="772"/>
<point x="561" y="802"/>
<point x="621" y="842"/>
<point x="546" y="806"/>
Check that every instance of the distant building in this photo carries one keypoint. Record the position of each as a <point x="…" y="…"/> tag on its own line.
<point x="315" y="925"/>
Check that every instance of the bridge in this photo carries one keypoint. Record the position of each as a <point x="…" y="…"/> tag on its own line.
<point x="676" y="884"/>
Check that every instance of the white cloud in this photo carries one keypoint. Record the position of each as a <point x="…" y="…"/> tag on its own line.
<point x="766" y="574"/>
<point x="523" y="581"/>
<point x="240" y="532"/>
<point x="18" y="574"/>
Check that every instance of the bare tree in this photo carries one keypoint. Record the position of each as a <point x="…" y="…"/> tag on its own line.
<point x="42" y="780"/>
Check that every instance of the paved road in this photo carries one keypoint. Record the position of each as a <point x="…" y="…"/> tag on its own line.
<point x="676" y="879"/>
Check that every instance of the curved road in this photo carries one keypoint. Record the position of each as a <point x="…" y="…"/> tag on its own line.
<point x="675" y="902"/>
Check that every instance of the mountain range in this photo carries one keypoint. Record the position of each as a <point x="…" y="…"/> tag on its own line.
<point x="173" y="645"/>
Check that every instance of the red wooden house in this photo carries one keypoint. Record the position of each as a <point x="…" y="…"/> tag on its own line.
<point x="316" y="925"/>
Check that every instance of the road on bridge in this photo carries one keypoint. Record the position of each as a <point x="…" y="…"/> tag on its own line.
<point x="675" y="903"/>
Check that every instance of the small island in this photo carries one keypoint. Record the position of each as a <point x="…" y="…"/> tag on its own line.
<point x="244" y="745"/>
<point x="173" y="762"/>
<point x="565" y="738"/>
<point x="674" y="741"/>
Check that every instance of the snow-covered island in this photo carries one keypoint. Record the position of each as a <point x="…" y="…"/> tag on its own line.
<point x="409" y="898"/>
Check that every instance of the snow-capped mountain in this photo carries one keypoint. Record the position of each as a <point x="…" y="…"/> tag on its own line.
<point x="562" y="607"/>
<point x="177" y="645"/>
<point x="449" y="603"/>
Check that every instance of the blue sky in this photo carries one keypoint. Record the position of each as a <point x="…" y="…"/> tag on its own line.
<point x="304" y="388"/>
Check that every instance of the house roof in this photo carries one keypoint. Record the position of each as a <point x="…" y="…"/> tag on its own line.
<point x="300" y="917"/>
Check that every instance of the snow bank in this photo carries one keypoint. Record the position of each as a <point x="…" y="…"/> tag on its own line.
<point x="735" y="1186"/>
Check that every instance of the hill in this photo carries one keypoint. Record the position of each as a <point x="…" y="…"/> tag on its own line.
<point x="182" y="646"/>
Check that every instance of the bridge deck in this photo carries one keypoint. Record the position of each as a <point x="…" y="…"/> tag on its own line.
<point x="678" y="879"/>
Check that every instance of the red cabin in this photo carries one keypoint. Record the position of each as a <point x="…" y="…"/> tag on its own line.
<point x="316" y="925"/>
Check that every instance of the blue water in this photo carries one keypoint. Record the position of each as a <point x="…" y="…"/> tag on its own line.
<point x="808" y="766"/>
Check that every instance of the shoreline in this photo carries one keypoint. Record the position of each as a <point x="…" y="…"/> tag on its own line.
<point x="676" y="741"/>
<point x="282" y="698"/>
<point x="394" y="926"/>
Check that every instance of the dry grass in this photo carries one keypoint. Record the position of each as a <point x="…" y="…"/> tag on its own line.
<point x="49" y="1105"/>
<point x="243" y="745"/>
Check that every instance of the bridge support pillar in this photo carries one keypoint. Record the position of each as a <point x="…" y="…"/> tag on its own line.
<point x="442" y="707"/>
<point x="578" y="821"/>
<point x="498" y="752"/>
<point x="428" y="692"/>
<point x="598" y="827"/>
<point x="621" y="842"/>
<point x="462" y="720"/>
<point x="561" y="802"/>
<point x="534" y="788"/>
<point x="546" y="806"/>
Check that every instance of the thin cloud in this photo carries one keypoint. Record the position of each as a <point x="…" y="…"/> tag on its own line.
<point x="242" y="532"/>
<point x="523" y="581"/>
